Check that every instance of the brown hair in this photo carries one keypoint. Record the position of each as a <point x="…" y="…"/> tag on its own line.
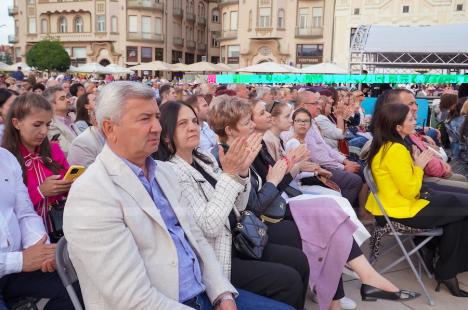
<point x="447" y="101"/>
<point x="226" y="111"/>
<point x="23" y="106"/>
<point x="276" y="108"/>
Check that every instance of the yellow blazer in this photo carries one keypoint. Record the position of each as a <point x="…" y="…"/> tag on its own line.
<point x="398" y="181"/>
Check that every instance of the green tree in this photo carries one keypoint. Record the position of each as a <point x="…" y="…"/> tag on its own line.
<point x="48" y="54"/>
<point x="6" y="58"/>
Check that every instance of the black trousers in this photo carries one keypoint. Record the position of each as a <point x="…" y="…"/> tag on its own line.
<point x="448" y="208"/>
<point x="282" y="274"/>
<point x="36" y="284"/>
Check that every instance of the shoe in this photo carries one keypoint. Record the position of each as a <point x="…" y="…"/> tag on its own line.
<point x="370" y="293"/>
<point x="347" y="303"/>
<point x="452" y="286"/>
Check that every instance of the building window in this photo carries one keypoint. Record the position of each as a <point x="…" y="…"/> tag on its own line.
<point x="406" y="9"/>
<point x="317" y="14"/>
<point x="159" y="54"/>
<point x="101" y="23"/>
<point x="307" y="54"/>
<point x="201" y="10"/>
<point x="78" y="24"/>
<point x="459" y="7"/>
<point x="280" y="19"/>
<point x="250" y="20"/>
<point x="132" y="54"/>
<point x="114" y="24"/>
<point x="356" y="11"/>
<point x="32" y="25"/>
<point x="233" y="20"/>
<point x="214" y="41"/>
<point x="176" y="57"/>
<point x="303" y="18"/>
<point x="264" y="17"/>
<point x="79" y="52"/>
<point x="233" y="54"/>
<point x="132" y="23"/>
<point x="146" y="54"/>
<point x="31" y="1"/>
<point x="158" y="25"/>
<point x="62" y="24"/>
<point x="101" y="7"/>
<point x="44" y="26"/>
<point x="145" y="28"/>
<point x="353" y="31"/>
<point x="215" y="16"/>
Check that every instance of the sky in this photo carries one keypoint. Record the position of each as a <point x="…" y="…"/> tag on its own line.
<point x="5" y="20"/>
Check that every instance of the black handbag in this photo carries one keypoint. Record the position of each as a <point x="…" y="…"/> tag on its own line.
<point x="56" y="220"/>
<point x="320" y="181"/>
<point x="275" y="211"/>
<point x="249" y="236"/>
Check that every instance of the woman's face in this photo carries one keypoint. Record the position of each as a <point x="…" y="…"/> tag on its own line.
<point x="283" y="121"/>
<point x="261" y="117"/>
<point x="408" y="126"/>
<point x="91" y="102"/>
<point x="187" y="132"/>
<point x="301" y="124"/>
<point x="38" y="91"/>
<point x="327" y="105"/>
<point x="33" y="128"/>
<point x="244" y="127"/>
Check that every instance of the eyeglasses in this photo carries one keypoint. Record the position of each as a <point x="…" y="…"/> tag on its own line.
<point x="302" y="121"/>
<point x="273" y="106"/>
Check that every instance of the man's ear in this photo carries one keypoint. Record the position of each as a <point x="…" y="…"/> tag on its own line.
<point x="108" y="129"/>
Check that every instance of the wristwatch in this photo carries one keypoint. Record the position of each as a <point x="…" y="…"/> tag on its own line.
<point x="224" y="297"/>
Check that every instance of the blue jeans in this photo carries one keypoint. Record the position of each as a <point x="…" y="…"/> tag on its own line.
<point x="357" y="141"/>
<point x="245" y="301"/>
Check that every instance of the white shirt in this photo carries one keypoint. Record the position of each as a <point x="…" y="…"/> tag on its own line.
<point x="20" y="226"/>
<point x="207" y="138"/>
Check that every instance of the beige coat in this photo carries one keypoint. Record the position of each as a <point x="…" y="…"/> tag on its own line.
<point x="119" y="243"/>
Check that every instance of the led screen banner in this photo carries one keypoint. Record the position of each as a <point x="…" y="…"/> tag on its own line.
<point x="338" y="78"/>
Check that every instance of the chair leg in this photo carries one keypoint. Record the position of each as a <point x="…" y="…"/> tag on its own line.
<point x="421" y="260"/>
<point x="413" y="268"/>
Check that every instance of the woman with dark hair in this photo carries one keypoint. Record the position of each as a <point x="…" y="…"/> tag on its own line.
<point x="318" y="222"/>
<point x="408" y="201"/>
<point x="38" y="88"/>
<point x="213" y="194"/>
<point x="7" y="96"/>
<point x="43" y="163"/>
<point x="84" y="107"/>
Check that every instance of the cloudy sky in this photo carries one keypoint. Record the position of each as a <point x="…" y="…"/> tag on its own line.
<point x="5" y="20"/>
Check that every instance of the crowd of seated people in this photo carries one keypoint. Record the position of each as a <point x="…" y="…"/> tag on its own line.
<point x="171" y="170"/>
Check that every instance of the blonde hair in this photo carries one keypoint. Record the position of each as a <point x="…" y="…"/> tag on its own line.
<point x="227" y="111"/>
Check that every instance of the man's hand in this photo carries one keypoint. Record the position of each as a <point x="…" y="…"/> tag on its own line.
<point x="38" y="254"/>
<point x="227" y="305"/>
<point x="48" y="266"/>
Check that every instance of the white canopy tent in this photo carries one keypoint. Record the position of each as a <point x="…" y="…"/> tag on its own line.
<point x="323" y="68"/>
<point x="201" y="66"/>
<point x="178" y="67"/>
<point x="222" y="67"/>
<point x="89" y="68"/>
<point x="269" y="67"/>
<point x="14" y="67"/>
<point x="116" y="69"/>
<point x="152" y="66"/>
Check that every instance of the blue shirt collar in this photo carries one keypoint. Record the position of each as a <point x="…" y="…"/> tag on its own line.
<point x="150" y="165"/>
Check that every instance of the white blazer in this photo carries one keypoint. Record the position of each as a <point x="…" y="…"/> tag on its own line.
<point x="119" y="243"/>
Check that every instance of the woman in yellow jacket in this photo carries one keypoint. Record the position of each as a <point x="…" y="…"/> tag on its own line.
<point x="399" y="178"/>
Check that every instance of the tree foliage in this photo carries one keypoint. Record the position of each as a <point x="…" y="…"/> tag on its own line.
<point x="49" y="55"/>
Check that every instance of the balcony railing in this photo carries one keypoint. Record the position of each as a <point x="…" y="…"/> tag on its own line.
<point x="145" y="36"/>
<point x="12" y="10"/>
<point x="201" y="20"/>
<point x="190" y="44"/>
<point x="309" y="32"/>
<point x="178" y="12"/>
<point x="178" y="41"/>
<point x="12" y="39"/>
<point x="201" y="46"/>
<point x="227" y="2"/>
<point x="228" y="34"/>
<point x="145" y="4"/>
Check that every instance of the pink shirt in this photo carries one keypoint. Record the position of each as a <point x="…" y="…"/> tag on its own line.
<point x="36" y="172"/>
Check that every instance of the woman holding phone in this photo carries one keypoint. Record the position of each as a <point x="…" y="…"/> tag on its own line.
<point x="43" y="163"/>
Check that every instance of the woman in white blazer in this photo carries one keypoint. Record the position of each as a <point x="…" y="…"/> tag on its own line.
<point x="213" y="194"/>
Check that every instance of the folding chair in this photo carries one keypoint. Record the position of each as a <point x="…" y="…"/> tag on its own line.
<point x="67" y="272"/>
<point x="400" y="231"/>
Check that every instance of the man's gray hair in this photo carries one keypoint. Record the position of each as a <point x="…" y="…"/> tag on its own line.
<point x="262" y="91"/>
<point x="49" y="93"/>
<point x="113" y="97"/>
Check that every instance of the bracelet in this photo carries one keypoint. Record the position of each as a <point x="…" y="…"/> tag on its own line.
<point x="287" y="160"/>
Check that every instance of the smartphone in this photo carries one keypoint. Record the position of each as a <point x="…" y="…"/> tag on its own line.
<point x="73" y="173"/>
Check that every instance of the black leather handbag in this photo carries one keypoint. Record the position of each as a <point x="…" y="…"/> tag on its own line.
<point x="249" y="236"/>
<point x="275" y="211"/>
